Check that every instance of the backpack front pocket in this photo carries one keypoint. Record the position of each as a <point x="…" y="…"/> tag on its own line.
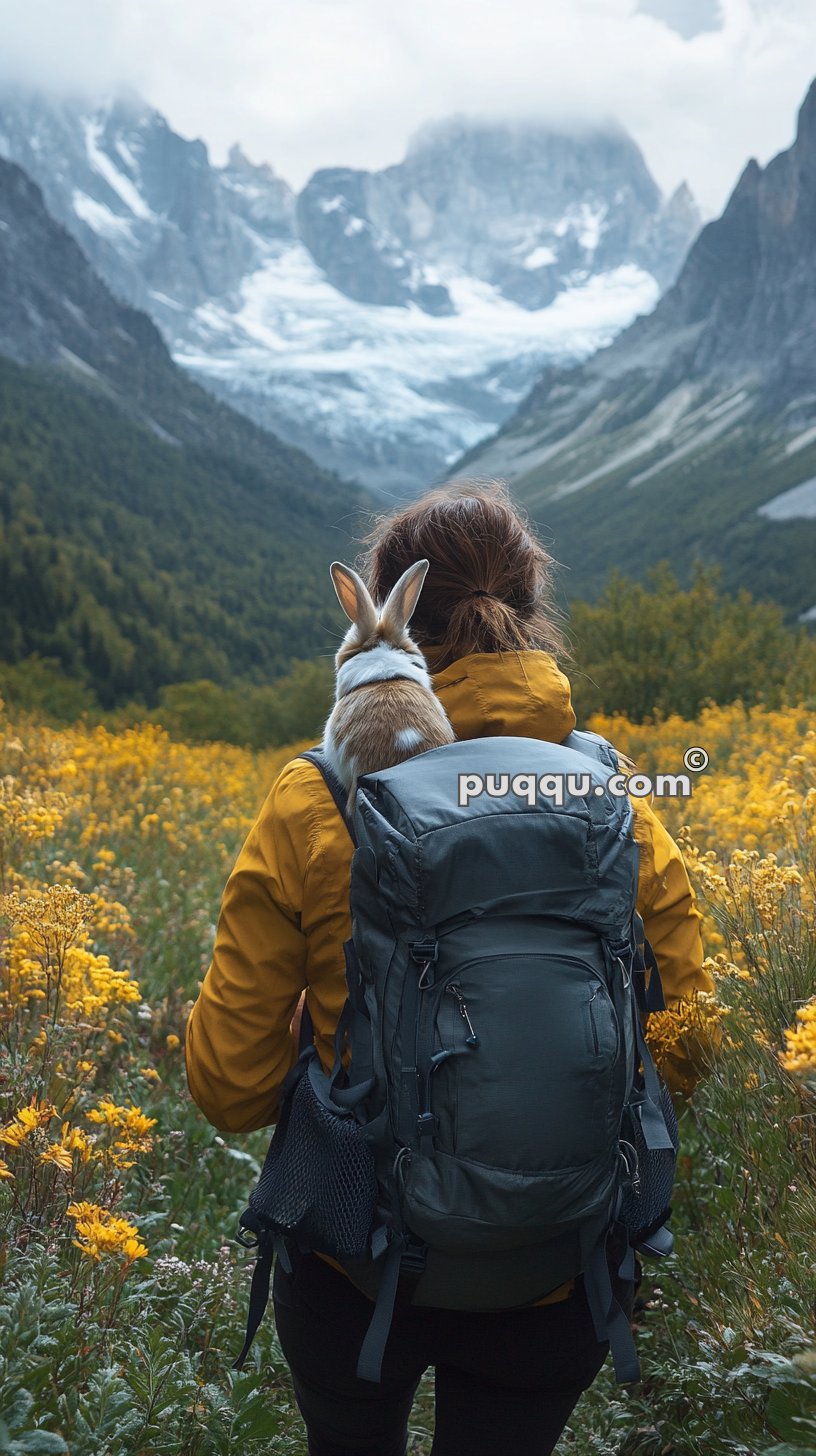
<point x="524" y="1031"/>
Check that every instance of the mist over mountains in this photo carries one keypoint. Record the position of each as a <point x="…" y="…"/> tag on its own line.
<point x="383" y="321"/>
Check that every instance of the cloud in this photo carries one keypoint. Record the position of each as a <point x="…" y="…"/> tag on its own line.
<point x="310" y="83"/>
<point x="687" y="17"/>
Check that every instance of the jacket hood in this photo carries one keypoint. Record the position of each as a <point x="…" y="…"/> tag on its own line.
<point x="523" y="694"/>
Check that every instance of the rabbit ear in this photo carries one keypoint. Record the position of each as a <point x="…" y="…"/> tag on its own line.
<point x="403" y="597"/>
<point x="354" y="598"/>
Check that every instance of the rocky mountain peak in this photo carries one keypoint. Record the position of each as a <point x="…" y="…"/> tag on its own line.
<point x="806" y="125"/>
<point x="523" y="206"/>
<point x="707" y="404"/>
<point x="238" y="162"/>
<point x="681" y="201"/>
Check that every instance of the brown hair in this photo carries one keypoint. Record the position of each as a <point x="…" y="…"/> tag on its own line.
<point x="489" y="585"/>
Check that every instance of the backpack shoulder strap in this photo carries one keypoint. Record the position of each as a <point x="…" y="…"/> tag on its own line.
<point x="333" y="784"/>
<point x="592" y="744"/>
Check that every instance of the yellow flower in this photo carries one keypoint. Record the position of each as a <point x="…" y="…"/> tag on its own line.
<point x="85" y="1210"/>
<point x="693" y="1024"/>
<point x="101" y="1234"/>
<point x="137" y="1124"/>
<point x="133" y="1249"/>
<point x="5" y="1171"/>
<point x="107" y="1112"/>
<point x="799" y="1056"/>
<point x="27" y="1121"/>
<point x="132" y="1129"/>
<point x="74" y="1140"/>
<point x="57" y="1154"/>
<point x="53" y="919"/>
<point x="13" y="1135"/>
<point x="172" y="1042"/>
<point x="28" y="813"/>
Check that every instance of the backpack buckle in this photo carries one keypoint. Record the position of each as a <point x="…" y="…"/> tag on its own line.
<point x="249" y="1224"/>
<point x="413" y="1260"/>
<point x="425" y="952"/>
<point x="426" y="1127"/>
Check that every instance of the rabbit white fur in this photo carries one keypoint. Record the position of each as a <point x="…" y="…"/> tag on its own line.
<point x="385" y="708"/>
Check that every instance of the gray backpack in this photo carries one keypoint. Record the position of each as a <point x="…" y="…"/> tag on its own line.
<point x="491" y="1125"/>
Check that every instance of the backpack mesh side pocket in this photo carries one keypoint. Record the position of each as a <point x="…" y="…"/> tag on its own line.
<point x="318" y="1182"/>
<point x="642" y="1214"/>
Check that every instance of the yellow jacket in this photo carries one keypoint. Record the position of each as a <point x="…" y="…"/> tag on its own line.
<point x="284" y="915"/>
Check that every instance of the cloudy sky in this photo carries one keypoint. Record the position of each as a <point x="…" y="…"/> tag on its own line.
<point x="701" y="84"/>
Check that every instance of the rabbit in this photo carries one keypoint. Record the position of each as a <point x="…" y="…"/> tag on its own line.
<point x="385" y="709"/>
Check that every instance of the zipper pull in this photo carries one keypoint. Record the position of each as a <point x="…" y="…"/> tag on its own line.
<point x="632" y="1164"/>
<point x="472" y="1039"/>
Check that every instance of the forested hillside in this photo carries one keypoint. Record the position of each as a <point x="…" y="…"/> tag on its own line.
<point x="134" y="563"/>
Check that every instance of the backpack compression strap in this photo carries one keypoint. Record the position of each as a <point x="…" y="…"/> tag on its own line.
<point x="333" y="784"/>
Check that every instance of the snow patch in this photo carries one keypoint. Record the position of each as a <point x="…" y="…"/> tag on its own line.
<point x="800" y="441"/>
<point x="591" y="225"/>
<point x="99" y="217"/>
<point x="332" y="204"/>
<point x="126" y="154"/>
<point x="74" y="360"/>
<point x="540" y="257"/>
<point x="796" y="504"/>
<point x="586" y="222"/>
<point x="120" y="184"/>
<point x="167" y="300"/>
<point x="727" y="404"/>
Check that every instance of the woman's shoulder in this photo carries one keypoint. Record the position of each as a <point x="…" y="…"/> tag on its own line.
<point x="300" y="799"/>
<point x="296" y="772"/>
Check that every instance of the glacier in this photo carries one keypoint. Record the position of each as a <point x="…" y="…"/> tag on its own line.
<point x="394" y="373"/>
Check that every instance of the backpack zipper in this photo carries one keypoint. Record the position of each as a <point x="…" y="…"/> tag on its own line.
<point x="595" y="1041"/>
<point x="472" y="1039"/>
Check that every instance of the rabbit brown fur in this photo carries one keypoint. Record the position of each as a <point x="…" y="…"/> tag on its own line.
<point x="385" y="708"/>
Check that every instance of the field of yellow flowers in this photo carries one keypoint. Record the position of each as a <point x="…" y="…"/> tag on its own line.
<point x="122" y="1291"/>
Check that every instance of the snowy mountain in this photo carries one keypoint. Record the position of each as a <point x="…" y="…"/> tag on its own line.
<point x="523" y="208"/>
<point x="694" y="432"/>
<point x="388" y="321"/>
<point x="165" y="229"/>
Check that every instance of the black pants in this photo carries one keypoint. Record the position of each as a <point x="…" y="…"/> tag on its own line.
<point x="505" y="1383"/>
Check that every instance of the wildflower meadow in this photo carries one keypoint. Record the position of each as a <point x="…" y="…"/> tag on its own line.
<point x="123" y="1292"/>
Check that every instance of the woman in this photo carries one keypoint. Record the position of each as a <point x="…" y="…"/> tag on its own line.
<point x="506" y="1381"/>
